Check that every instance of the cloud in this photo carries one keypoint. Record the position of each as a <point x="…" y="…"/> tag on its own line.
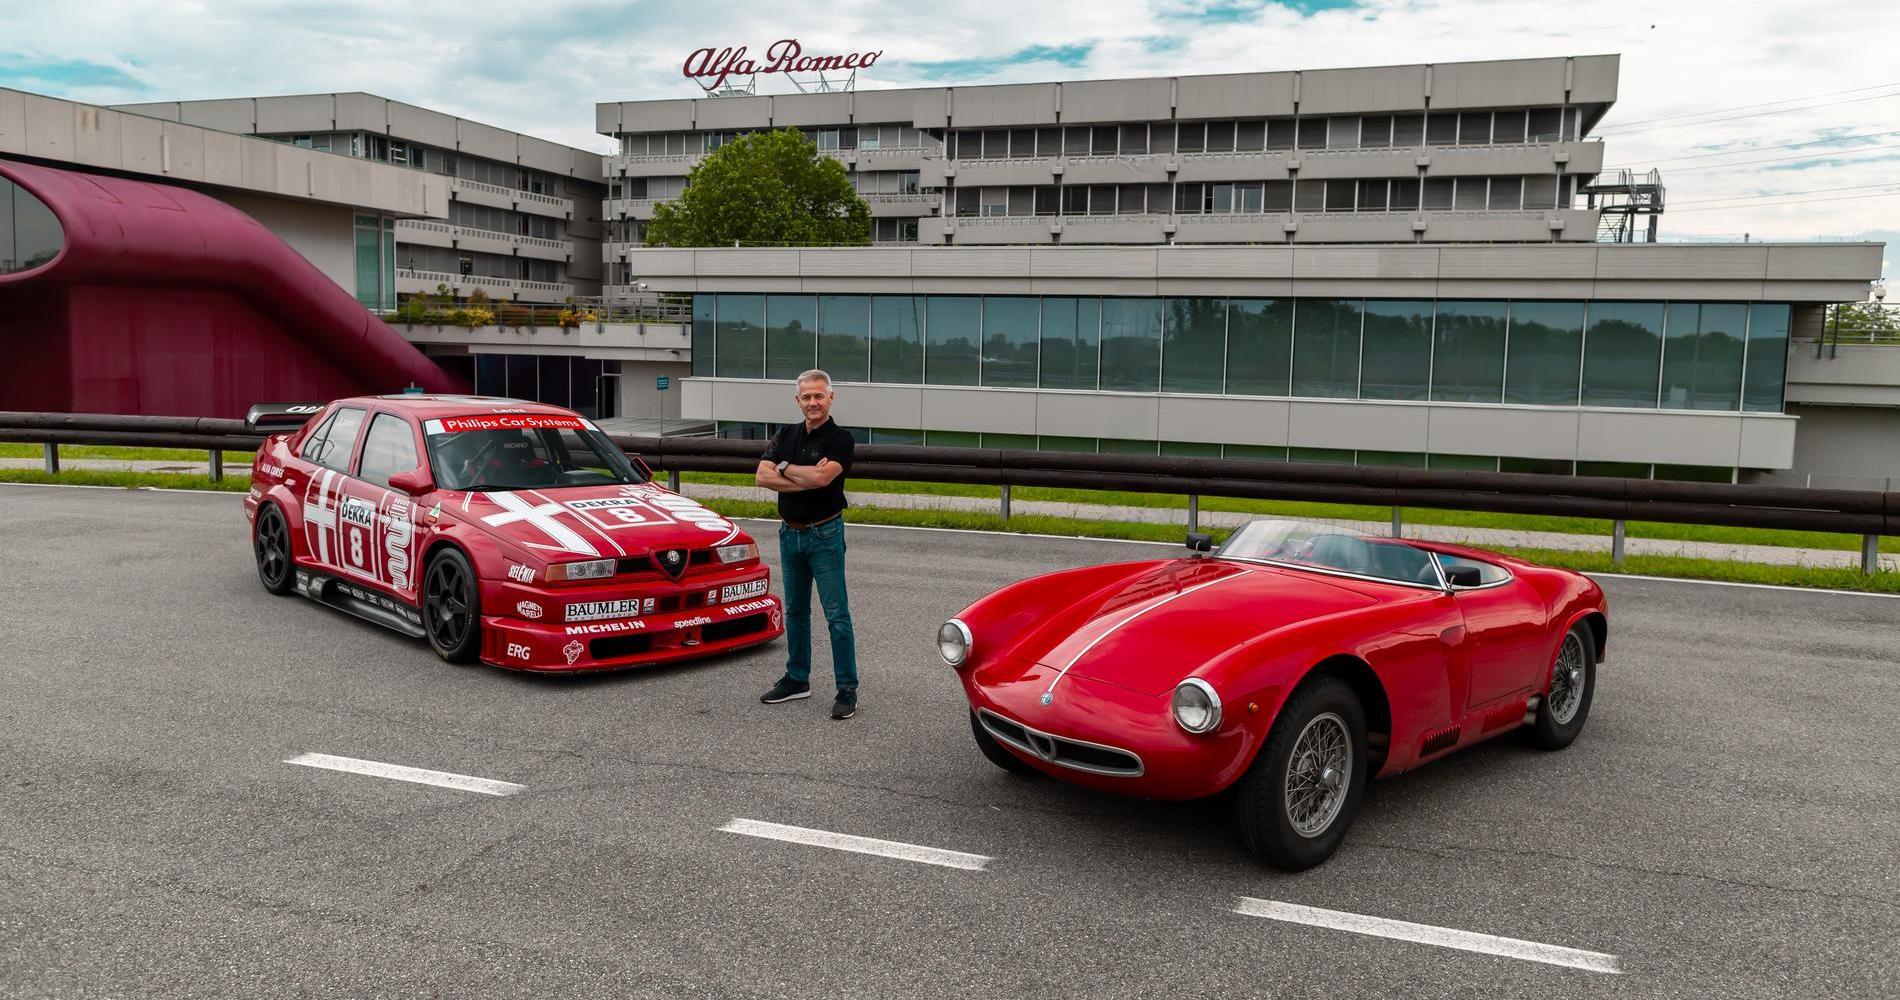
<point x="1696" y="75"/>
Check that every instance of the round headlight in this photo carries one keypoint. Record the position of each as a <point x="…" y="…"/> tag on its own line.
<point x="1196" y="706"/>
<point x="954" y="642"/>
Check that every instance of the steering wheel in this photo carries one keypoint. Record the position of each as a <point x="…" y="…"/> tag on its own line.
<point x="475" y="467"/>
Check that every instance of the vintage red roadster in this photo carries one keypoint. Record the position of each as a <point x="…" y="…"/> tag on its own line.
<point x="512" y="533"/>
<point x="1291" y="666"/>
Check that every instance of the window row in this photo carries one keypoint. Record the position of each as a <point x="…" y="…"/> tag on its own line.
<point x="585" y="385"/>
<point x="1447" y="128"/>
<point x="478" y="265"/>
<point x="369" y="145"/>
<point x="1477" y="194"/>
<point x="637" y="188"/>
<point x="885" y="181"/>
<point x="1675" y="355"/>
<point x="501" y="220"/>
<point x="840" y="137"/>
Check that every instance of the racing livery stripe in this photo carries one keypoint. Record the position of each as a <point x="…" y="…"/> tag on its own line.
<point x="545" y="517"/>
<point x="545" y="502"/>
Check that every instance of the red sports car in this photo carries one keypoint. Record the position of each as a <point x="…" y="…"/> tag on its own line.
<point x="1293" y="665"/>
<point x="510" y="532"/>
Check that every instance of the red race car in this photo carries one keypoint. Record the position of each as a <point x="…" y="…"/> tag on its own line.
<point x="513" y="533"/>
<point x="1293" y="665"/>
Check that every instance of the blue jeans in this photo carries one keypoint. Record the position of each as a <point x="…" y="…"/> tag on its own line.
<point x="816" y="555"/>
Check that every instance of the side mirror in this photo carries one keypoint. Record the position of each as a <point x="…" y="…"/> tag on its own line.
<point x="1199" y="542"/>
<point x="414" y="482"/>
<point x="1463" y="576"/>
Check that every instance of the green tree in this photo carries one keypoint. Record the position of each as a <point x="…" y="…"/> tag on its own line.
<point x="764" y="188"/>
<point x="1866" y="317"/>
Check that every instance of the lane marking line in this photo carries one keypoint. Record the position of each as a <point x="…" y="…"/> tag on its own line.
<point x="1442" y="937"/>
<point x="397" y="772"/>
<point x="861" y="845"/>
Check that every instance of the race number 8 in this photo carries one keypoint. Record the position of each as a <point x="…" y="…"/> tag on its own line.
<point x="626" y="515"/>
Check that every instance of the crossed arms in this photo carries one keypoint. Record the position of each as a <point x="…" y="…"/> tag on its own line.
<point x="798" y="477"/>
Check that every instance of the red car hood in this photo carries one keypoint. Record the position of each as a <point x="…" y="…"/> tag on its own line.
<point x="1156" y="626"/>
<point x="593" y="522"/>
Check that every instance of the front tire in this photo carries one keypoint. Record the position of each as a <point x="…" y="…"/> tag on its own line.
<point x="1571" y="685"/>
<point x="452" y="607"/>
<point x="1294" y="805"/>
<point x="271" y="545"/>
<point x="997" y="753"/>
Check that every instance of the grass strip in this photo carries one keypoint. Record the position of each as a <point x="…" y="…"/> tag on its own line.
<point x="1359" y="512"/>
<point x="16" y="449"/>
<point x="235" y="481"/>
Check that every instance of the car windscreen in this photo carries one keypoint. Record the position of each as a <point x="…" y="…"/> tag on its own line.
<point x="523" y="452"/>
<point x="1322" y="546"/>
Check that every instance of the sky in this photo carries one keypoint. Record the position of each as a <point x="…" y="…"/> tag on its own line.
<point x="1775" y="120"/>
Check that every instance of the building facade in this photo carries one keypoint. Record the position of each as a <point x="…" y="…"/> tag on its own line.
<point x="524" y="214"/>
<point x="1393" y="265"/>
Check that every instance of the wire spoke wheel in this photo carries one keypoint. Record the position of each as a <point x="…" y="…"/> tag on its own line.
<point x="446" y="604"/>
<point x="1318" y="775"/>
<point x="1567" y="680"/>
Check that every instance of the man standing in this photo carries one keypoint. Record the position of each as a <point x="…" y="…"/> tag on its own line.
<point x="805" y="464"/>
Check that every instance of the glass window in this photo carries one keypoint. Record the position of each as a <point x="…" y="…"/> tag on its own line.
<point x="334" y="443"/>
<point x="586" y="382"/>
<point x="1621" y="354"/>
<point x="1372" y="195"/>
<point x="1507" y="194"/>
<point x="1702" y="356"/>
<point x="1011" y="442"/>
<point x="553" y="381"/>
<point x="895" y="435"/>
<point x="389" y="448"/>
<point x="1280" y="133"/>
<point x="1189" y="449"/>
<point x="1540" y="191"/>
<point x="1392" y="459"/>
<point x="491" y="374"/>
<point x="1441" y="129"/>
<point x="1507" y="126"/>
<point x="1134" y="139"/>
<point x="1342" y="132"/>
<point x="369" y="265"/>
<point x="1220" y="137"/>
<point x="1117" y="446"/>
<point x="1333" y="456"/>
<point x="1471" y="195"/>
<point x="1309" y="196"/>
<point x="1438" y="192"/>
<point x="1339" y="195"/>
<point x="844" y="337"/>
<point x="1256" y="452"/>
<point x="1468" y="352"/>
<point x="1131" y="344"/>
<point x="1075" y="141"/>
<point x="897" y="339"/>
<point x="1326" y="348"/>
<point x="952" y="330"/>
<point x="1277" y="196"/>
<point x="1051" y="442"/>
<point x="1104" y="141"/>
<point x="1404" y="195"/>
<point x="739" y="342"/>
<point x="1259" y="346"/>
<point x="791" y="335"/>
<point x="1398" y="349"/>
<point x="1071" y="343"/>
<point x="1546" y="343"/>
<point x="1474" y="128"/>
<point x="1009" y="341"/>
<point x="953" y="439"/>
<point x="1193" y="136"/>
<point x="1767" y="357"/>
<point x="1696" y="473"/>
<point x="1463" y="463"/>
<point x="1022" y="143"/>
<point x="1250" y="136"/>
<point x="1194" y="345"/>
<point x="1614" y="470"/>
<point x="524" y="375"/>
<point x="1537" y="466"/>
<point x="1375" y="131"/>
<point x="1312" y="134"/>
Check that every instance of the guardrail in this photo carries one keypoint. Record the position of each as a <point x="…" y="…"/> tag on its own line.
<point x="1867" y="513"/>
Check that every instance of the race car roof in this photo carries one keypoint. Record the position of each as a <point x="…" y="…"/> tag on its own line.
<point x="435" y="406"/>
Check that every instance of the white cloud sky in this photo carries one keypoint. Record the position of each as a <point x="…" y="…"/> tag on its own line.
<point x="539" y="68"/>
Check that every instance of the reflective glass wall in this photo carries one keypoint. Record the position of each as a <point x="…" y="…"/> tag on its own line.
<point x="1721" y="356"/>
<point x="30" y="235"/>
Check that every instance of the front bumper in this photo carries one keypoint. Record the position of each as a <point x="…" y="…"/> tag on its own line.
<point x="529" y="630"/>
<point x="1103" y="736"/>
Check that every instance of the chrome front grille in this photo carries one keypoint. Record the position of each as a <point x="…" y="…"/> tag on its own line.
<point x="1077" y="755"/>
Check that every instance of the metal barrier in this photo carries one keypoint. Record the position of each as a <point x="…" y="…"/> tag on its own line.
<point x="1867" y="513"/>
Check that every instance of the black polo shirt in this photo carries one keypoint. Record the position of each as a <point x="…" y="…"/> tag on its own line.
<point x="794" y="444"/>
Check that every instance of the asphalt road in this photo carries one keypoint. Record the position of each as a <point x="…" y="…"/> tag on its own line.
<point x="1727" y="824"/>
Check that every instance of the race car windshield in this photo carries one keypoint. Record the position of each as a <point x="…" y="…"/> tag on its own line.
<point x="1311" y="545"/>
<point x="551" y="454"/>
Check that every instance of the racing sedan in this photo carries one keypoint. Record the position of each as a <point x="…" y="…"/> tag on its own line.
<point x="1291" y="666"/>
<point x="507" y="532"/>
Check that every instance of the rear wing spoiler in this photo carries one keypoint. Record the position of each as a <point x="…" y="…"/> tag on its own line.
<point x="278" y="417"/>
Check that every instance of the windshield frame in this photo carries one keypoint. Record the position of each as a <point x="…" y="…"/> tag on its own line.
<point x="1431" y="557"/>
<point x="538" y="424"/>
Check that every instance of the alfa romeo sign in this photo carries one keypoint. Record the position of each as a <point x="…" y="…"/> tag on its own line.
<point x="710" y="67"/>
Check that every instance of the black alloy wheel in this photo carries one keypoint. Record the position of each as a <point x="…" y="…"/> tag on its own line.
<point x="1296" y="802"/>
<point x="997" y="753"/>
<point x="1566" y="701"/>
<point x="451" y="607"/>
<point x="272" y="546"/>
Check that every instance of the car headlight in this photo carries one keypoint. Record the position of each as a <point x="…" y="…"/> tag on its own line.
<point x="591" y="569"/>
<point x="1196" y="706"/>
<point x="737" y="553"/>
<point x="954" y="642"/>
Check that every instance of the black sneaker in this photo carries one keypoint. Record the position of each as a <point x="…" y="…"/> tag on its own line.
<point x="785" y="690"/>
<point x="846" y="706"/>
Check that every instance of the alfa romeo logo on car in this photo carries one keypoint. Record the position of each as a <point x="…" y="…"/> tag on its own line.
<point x="673" y="561"/>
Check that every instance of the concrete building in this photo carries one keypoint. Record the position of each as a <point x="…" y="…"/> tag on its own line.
<point x="523" y="219"/>
<point x="1393" y="265"/>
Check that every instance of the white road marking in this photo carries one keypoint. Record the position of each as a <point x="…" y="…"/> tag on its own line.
<point x="1443" y="937"/>
<point x="397" y="772"/>
<point x="861" y="845"/>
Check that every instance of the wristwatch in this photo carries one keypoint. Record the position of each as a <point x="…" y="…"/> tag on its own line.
<point x="781" y="467"/>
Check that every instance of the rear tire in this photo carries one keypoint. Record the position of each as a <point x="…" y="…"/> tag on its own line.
<point x="1294" y="805"/>
<point x="271" y="545"/>
<point x="997" y="753"/>
<point x="452" y="607"/>
<point x="1568" y="688"/>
